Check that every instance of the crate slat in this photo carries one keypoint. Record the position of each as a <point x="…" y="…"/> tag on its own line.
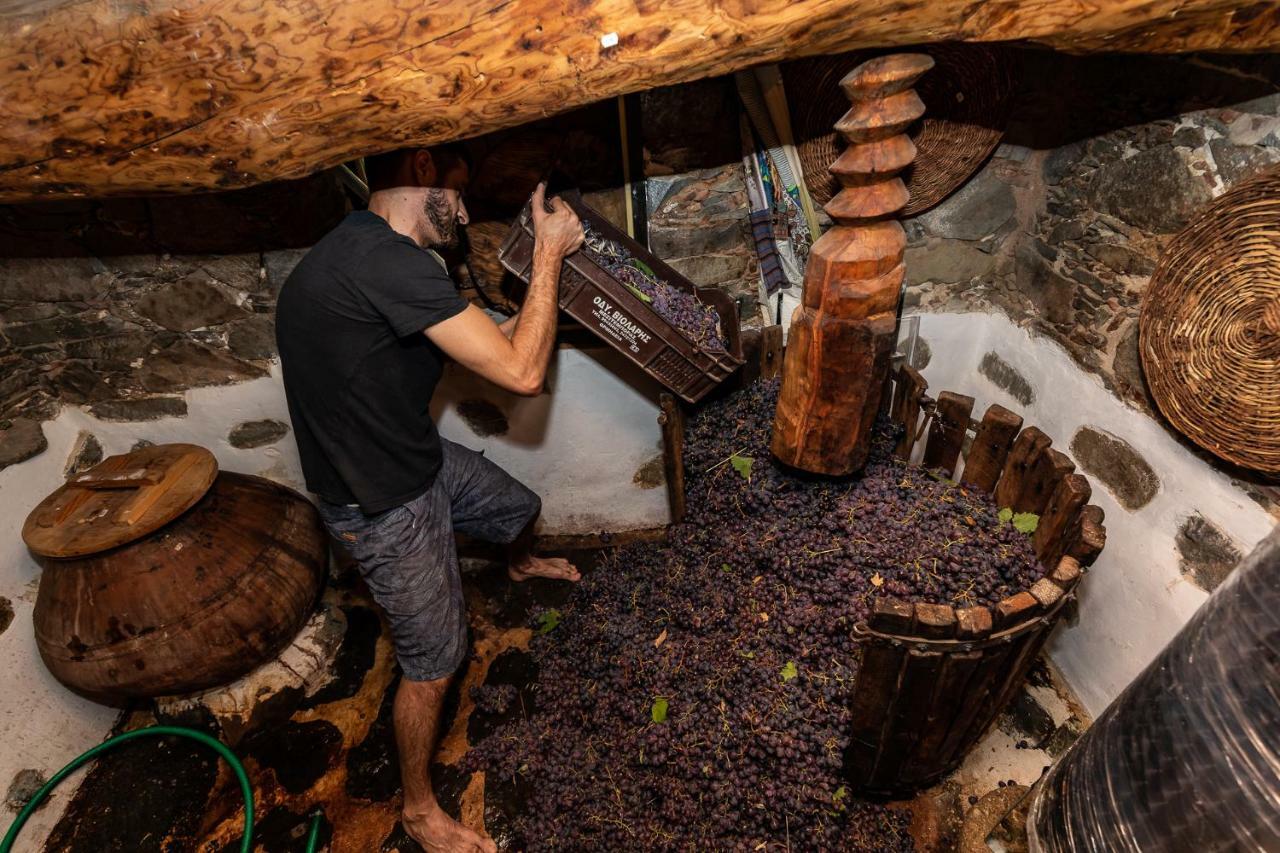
<point x="946" y="434"/>
<point x="935" y="621"/>
<point x="907" y="716"/>
<point x="990" y="447"/>
<point x="1027" y="448"/>
<point x="911" y="387"/>
<point x="974" y="706"/>
<point x="1037" y="487"/>
<point x="1061" y="513"/>
<point x="883" y="665"/>
<point x="927" y="757"/>
<point x="1089" y="537"/>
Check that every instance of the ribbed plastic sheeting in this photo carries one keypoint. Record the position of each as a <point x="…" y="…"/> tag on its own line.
<point x="1188" y="757"/>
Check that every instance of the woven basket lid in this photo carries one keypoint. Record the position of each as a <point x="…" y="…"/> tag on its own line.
<point x="967" y="97"/>
<point x="1210" y="327"/>
<point x="121" y="499"/>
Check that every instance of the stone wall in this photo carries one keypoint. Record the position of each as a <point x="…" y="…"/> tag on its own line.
<point x="125" y="336"/>
<point x="1105" y="159"/>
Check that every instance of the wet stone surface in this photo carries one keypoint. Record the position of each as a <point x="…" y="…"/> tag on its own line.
<point x="252" y="434"/>
<point x="1206" y="554"/>
<point x="1006" y="377"/>
<point x="20" y="439"/>
<point x="297" y="753"/>
<point x="1119" y="466"/>
<point x="25" y="783"/>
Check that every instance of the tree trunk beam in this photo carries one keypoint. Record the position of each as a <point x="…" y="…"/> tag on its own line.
<point x="121" y="97"/>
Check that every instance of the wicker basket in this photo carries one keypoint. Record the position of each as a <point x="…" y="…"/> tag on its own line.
<point x="1210" y="327"/>
<point x="967" y="98"/>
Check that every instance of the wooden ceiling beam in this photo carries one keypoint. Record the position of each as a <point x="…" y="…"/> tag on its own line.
<point x="126" y="97"/>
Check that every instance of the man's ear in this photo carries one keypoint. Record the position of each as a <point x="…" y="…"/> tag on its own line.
<point x="424" y="168"/>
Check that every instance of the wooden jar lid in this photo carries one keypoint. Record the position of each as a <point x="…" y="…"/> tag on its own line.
<point x="119" y="500"/>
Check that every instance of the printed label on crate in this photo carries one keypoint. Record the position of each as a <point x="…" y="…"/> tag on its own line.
<point x="615" y="325"/>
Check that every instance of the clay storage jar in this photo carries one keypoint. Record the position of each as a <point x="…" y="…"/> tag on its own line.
<point x="164" y="576"/>
<point x="933" y="678"/>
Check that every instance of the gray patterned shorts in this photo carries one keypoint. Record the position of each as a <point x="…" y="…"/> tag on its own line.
<point x="409" y="560"/>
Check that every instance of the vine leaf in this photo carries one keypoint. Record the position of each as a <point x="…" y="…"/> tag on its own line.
<point x="548" y="621"/>
<point x="876" y="580"/>
<point x="1006" y="514"/>
<point x="659" y="710"/>
<point x="837" y="799"/>
<point x="1026" y="522"/>
<point x="642" y="266"/>
<point x="725" y="567"/>
<point x="742" y="464"/>
<point x="640" y="294"/>
<point x="789" y="671"/>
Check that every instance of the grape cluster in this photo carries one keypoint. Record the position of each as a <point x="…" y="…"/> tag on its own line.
<point x="694" y="693"/>
<point x="696" y="320"/>
<point x="493" y="698"/>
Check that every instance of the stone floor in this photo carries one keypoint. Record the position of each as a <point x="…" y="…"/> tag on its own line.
<point x="331" y="747"/>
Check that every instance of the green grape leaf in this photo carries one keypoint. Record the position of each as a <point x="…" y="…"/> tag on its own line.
<point x="725" y="567"/>
<point x="643" y="267"/>
<point x="640" y="294"/>
<point x="659" y="710"/>
<point x="789" y="671"/>
<point x="742" y="464"/>
<point x="548" y="621"/>
<point x="1026" y="522"/>
<point x="1006" y="514"/>
<point x="839" y="796"/>
<point x="941" y="478"/>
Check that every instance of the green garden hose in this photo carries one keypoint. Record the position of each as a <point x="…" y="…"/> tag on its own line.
<point x="246" y="843"/>
<point x="246" y="791"/>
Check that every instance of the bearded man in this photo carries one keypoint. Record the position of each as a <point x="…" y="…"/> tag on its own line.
<point x="364" y="324"/>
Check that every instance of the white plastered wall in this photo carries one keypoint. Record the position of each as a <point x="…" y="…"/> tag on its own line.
<point x="578" y="446"/>
<point x="1135" y="598"/>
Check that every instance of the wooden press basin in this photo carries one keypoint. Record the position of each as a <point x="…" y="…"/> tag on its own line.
<point x="164" y="576"/>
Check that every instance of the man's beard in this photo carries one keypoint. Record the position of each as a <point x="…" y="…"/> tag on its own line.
<point x="435" y="206"/>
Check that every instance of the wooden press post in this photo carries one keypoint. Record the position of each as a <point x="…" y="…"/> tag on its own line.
<point x="841" y="336"/>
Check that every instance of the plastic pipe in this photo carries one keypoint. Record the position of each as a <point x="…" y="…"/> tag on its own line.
<point x="246" y="844"/>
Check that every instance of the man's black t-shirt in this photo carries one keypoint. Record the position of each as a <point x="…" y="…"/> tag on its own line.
<point x="358" y="372"/>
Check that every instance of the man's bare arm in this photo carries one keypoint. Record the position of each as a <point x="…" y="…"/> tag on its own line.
<point x="508" y="326"/>
<point x="518" y="364"/>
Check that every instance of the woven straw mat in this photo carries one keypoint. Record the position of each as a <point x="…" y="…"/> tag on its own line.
<point x="1210" y="327"/>
<point x="966" y="96"/>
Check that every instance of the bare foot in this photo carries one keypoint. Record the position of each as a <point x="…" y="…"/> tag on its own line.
<point x="436" y="832"/>
<point x="556" y="568"/>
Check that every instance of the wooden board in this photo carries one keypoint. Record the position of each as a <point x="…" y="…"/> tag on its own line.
<point x="107" y="98"/>
<point x="1027" y="447"/>
<point x="946" y="435"/>
<point x="119" y="500"/>
<point x="990" y="447"/>
<point x="671" y="419"/>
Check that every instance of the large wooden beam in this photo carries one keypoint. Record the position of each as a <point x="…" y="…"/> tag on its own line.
<point x="117" y="97"/>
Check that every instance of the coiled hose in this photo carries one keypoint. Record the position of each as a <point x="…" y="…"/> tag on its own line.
<point x="246" y="790"/>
